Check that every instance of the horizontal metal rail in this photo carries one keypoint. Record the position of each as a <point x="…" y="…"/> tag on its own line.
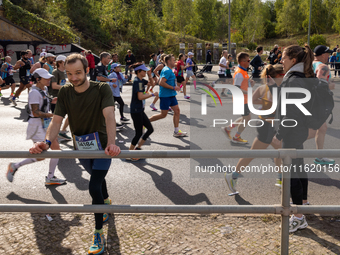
<point x="281" y="153"/>
<point x="192" y="209"/>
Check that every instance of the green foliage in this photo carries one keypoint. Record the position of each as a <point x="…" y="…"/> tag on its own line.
<point x="37" y="25"/>
<point x="252" y="46"/>
<point x="121" y="50"/>
<point x="315" y="40"/>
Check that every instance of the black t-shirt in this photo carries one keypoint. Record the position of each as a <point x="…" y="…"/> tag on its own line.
<point x="100" y="70"/>
<point x="23" y="70"/>
<point x="137" y="105"/>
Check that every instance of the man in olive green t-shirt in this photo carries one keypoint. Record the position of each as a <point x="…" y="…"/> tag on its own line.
<point x="90" y="108"/>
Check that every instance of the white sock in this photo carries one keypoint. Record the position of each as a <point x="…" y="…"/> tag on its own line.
<point x="25" y="162"/>
<point x="299" y="218"/>
<point x="176" y="129"/>
<point x="53" y="165"/>
<point x="152" y="105"/>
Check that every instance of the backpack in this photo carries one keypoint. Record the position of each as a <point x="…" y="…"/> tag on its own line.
<point x="321" y="103"/>
<point x="43" y="107"/>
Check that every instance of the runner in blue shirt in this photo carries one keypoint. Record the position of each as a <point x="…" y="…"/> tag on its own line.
<point x="167" y="95"/>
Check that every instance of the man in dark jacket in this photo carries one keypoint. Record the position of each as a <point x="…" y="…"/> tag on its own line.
<point x="129" y="60"/>
<point x="257" y="62"/>
<point x="208" y="58"/>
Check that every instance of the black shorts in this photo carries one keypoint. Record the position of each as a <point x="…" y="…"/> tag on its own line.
<point x="25" y="80"/>
<point x="9" y="80"/>
<point x="180" y="79"/>
<point x="265" y="133"/>
<point x="246" y="110"/>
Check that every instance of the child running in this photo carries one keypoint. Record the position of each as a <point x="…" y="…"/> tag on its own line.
<point x="137" y="106"/>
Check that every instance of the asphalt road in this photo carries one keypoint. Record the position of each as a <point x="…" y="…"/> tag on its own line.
<point x="153" y="181"/>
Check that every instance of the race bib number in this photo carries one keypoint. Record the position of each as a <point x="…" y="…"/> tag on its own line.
<point x="88" y="142"/>
<point x="62" y="82"/>
<point x="28" y="74"/>
<point x="46" y="122"/>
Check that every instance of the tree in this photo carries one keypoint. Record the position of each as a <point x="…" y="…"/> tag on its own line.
<point x="289" y="17"/>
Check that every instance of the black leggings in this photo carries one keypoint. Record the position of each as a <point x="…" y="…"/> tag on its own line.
<point x="98" y="192"/>
<point x="139" y="120"/>
<point x="299" y="179"/>
<point x="120" y="101"/>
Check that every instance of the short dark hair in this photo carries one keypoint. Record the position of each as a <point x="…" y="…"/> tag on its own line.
<point x="23" y="53"/>
<point x="259" y="49"/>
<point x="241" y="56"/>
<point x="104" y="55"/>
<point x="71" y="59"/>
<point x="168" y="57"/>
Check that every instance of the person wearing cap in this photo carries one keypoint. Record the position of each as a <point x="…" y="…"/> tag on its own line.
<point x="24" y="66"/>
<point x="7" y="76"/>
<point x="90" y="107"/>
<point x="137" y="106"/>
<point x="321" y="55"/>
<point x="119" y="79"/>
<point x="167" y="95"/>
<point x="190" y="73"/>
<point x="50" y="58"/>
<point x="129" y="60"/>
<point x="58" y="80"/>
<point x="38" y="122"/>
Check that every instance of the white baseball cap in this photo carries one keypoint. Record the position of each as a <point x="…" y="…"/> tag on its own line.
<point x="43" y="73"/>
<point x="190" y="53"/>
<point x="61" y="58"/>
<point x="43" y="54"/>
<point x="50" y="55"/>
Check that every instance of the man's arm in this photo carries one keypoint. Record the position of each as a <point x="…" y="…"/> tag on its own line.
<point x="167" y="86"/>
<point x="3" y="68"/>
<point x="18" y="64"/>
<point x="109" y="115"/>
<point x="56" y="86"/>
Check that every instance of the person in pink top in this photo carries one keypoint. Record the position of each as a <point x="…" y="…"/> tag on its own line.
<point x="92" y="64"/>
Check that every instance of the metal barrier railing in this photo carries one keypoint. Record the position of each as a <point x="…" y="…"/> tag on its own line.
<point x="285" y="209"/>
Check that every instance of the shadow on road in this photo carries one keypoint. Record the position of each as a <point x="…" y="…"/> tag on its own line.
<point x="170" y="189"/>
<point x="73" y="173"/>
<point x="49" y="235"/>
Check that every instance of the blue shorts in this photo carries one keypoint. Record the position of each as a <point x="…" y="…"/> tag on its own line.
<point x="95" y="164"/>
<point x="165" y="102"/>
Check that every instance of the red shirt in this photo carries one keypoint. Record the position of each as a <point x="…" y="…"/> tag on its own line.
<point x="90" y="60"/>
<point x="179" y="71"/>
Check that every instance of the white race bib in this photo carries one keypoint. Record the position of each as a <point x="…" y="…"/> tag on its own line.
<point x="88" y="142"/>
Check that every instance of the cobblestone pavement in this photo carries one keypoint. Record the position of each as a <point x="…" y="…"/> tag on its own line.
<point x="67" y="233"/>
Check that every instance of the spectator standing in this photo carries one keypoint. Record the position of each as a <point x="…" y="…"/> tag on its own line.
<point x="129" y="60"/>
<point x="208" y="58"/>
<point x="92" y="65"/>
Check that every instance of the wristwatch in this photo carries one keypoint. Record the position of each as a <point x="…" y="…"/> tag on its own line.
<point x="110" y="80"/>
<point x="48" y="143"/>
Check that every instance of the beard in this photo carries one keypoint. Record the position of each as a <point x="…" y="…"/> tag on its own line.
<point x="82" y="82"/>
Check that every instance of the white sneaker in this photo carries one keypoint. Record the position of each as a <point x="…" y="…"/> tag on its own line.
<point x="231" y="182"/>
<point x="295" y="224"/>
<point x="180" y="134"/>
<point x="54" y="181"/>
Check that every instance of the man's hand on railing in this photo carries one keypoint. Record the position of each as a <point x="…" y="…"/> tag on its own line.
<point x="38" y="148"/>
<point x="112" y="150"/>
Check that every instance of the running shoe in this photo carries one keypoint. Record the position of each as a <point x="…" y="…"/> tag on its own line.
<point x="170" y="110"/>
<point x="324" y="161"/>
<point x="106" y="215"/>
<point x="228" y="93"/>
<point x="278" y="183"/>
<point x="54" y="181"/>
<point x="295" y="224"/>
<point x="223" y="94"/>
<point x="153" y="107"/>
<point x="239" y="140"/>
<point x="180" y="134"/>
<point x="63" y="135"/>
<point x="98" y="244"/>
<point x="119" y="126"/>
<point x="124" y="120"/>
<point x="13" y="101"/>
<point x="186" y="97"/>
<point x="11" y="171"/>
<point x="231" y="182"/>
<point x="226" y="132"/>
<point x="307" y="203"/>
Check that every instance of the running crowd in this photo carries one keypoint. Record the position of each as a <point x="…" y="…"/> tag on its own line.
<point x="59" y="96"/>
<point x="93" y="125"/>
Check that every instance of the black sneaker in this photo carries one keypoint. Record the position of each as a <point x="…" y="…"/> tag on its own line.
<point x="124" y="120"/>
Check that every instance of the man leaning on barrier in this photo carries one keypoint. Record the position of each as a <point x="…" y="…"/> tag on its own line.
<point x="93" y="127"/>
